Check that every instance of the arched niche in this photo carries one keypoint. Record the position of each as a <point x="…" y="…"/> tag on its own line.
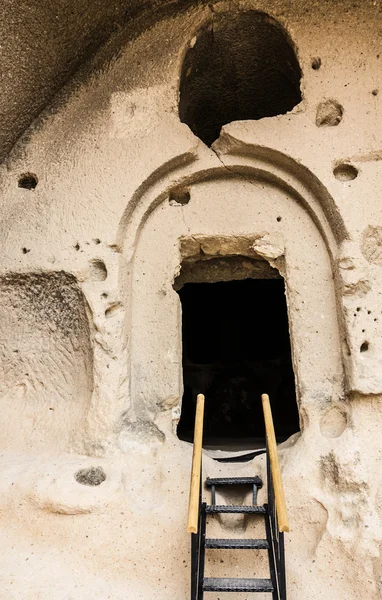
<point x="244" y="200"/>
<point x="248" y="161"/>
<point x="240" y="65"/>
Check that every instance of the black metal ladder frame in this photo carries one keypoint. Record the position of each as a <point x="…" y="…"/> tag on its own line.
<point x="198" y="549"/>
<point x="275" y="540"/>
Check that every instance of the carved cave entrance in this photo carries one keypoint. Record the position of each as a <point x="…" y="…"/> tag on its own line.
<point x="236" y="346"/>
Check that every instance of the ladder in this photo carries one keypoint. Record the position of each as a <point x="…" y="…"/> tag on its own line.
<point x="273" y="513"/>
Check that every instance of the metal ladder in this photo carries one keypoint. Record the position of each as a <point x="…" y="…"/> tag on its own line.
<point x="226" y="584"/>
<point x="275" y="526"/>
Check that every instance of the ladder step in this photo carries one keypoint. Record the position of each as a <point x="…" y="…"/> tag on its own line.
<point x="239" y="544"/>
<point x="224" y="508"/>
<point x="237" y="585"/>
<point x="234" y="481"/>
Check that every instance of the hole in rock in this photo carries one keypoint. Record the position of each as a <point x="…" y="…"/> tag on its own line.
<point x="316" y="63"/>
<point x="242" y="66"/>
<point x="179" y="196"/>
<point x="235" y="347"/>
<point x="28" y="181"/>
<point x="97" y="270"/>
<point x="112" y="310"/>
<point x="90" y="476"/>
<point x="364" y="347"/>
<point x="345" y="172"/>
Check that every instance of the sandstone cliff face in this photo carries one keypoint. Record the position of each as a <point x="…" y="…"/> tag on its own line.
<point x="105" y="200"/>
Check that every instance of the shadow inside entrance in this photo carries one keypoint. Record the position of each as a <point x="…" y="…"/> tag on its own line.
<point x="236" y="346"/>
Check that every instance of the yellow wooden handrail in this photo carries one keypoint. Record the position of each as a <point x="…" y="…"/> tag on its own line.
<point x="282" y="517"/>
<point x="193" y="506"/>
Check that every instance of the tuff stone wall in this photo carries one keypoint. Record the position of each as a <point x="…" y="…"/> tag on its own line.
<point x="46" y="360"/>
<point x="94" y="493"/>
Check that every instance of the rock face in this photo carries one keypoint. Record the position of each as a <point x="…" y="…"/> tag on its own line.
<point x="111" y="203"/>
<point x="46" y="359"/>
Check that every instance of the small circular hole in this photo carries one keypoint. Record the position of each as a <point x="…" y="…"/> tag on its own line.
<point x="25" y="250"/>
<point x="375" y="92"/>
<point x="316" y="63"/>
<point x="180" y="196"/>
<point x="28" y="181"/>
<point x="278" y="219"/>
<point x="97" y="241"/>
<point x="91" y="476"/>
<point x="364" y="347"/>
<point x="358" y="308"/>
<point x="77" y="246"/>
<point x="345" y="172"/>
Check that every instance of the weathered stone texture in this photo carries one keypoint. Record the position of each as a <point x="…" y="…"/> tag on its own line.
<point x="109" y="204"/>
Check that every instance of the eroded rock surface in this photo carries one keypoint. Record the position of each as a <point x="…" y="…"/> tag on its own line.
<point x="111" y="203"/>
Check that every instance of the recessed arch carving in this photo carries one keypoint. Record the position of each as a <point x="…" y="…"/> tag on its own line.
<point x="236" y="158"/>
<point x="255" y="168"/>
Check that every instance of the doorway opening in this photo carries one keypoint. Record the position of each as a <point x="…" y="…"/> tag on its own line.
<point x="236" y="346"/>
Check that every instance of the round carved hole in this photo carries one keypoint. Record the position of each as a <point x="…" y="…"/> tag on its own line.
<point x="28" y="181"/>
<point x="316" y="63"/>
<point x="345" y="172"/>
<point x="364" y="347"/>
<point x="180" y="196"/>
<point x="97" y="270"/>
<point x="91" y="476"/>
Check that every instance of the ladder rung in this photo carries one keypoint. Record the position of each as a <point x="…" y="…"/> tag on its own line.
<point x="238" y="544"/>
<point x="234" y="481"/>
<point x="237" y="585"/>
<point x="216" y="508"/>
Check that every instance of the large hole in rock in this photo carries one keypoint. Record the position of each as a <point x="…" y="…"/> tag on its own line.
<point x="242" y="66"/>
<point x="235" y="347"/>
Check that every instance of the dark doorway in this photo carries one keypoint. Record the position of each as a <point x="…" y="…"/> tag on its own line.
<point x="235" y="347"/>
